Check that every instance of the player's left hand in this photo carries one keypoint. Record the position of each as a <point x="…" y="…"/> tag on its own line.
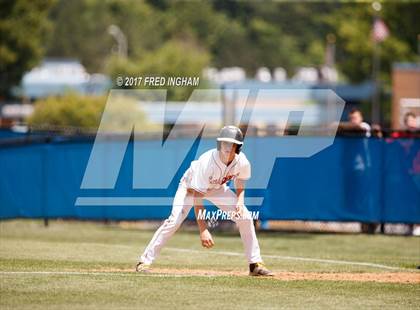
<point x="206" y="239"/>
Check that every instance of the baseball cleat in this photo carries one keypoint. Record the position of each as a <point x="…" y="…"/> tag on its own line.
<point x="142" y="267"/>
<point x="258" y="269"/>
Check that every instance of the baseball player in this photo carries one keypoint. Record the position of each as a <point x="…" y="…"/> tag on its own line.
<point x="207" y="178"/>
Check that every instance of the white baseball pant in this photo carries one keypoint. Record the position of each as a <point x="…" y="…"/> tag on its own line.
<point x="225" y="199"/>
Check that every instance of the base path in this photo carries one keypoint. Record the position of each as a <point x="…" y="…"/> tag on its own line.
<point x="384" y="277"/>
<point x="388" y="277"/>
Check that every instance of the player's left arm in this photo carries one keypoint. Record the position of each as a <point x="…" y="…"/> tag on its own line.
<point x="240" y="181"/>
<point x="240" y="193"/>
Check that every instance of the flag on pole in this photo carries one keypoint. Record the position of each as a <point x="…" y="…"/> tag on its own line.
<point x="380" y="31"/>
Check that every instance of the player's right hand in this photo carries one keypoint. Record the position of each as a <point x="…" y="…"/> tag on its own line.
<point x="206" y="239"/>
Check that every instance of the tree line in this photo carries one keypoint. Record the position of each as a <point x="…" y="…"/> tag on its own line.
<point x="182" y="37"/>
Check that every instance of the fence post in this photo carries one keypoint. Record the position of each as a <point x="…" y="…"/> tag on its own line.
<point x="44" y="186"/>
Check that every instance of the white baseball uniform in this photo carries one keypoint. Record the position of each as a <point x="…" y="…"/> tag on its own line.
<point x="208" y="175"/>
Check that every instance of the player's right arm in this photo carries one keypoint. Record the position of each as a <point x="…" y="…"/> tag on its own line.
<point x="205" y="236"/>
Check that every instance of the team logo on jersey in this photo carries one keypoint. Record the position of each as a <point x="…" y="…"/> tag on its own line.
<point x="222" y="180"/>
<point x="227" y="178"/>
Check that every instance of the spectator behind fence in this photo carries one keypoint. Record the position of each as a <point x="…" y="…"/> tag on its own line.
<point x="355" y="125"/>
<point x="377" y="131"/>
<point x="410" y="122"/>
<point x="356" y="121"/>
<point x="411" y="127"/>
<point x="405" y="140"/>
<point x="359" y="154"/>
<point x="411" y="131"/>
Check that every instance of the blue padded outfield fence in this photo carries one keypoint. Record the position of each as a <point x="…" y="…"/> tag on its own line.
<point x="355" y="179"/>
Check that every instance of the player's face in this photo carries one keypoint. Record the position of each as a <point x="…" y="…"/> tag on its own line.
<point x="411" y="123"/>
<point x="356" y="118"/>
<point x="228" y="150"/>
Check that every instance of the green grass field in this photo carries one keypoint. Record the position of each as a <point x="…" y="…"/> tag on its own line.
<point x="87" y="265"/>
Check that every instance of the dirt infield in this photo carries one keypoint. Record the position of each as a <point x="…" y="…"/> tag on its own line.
<point x="389" y="277"/>
<point x="383" y="277"/>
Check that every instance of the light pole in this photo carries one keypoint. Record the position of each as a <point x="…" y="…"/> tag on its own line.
<point x="330" y="51"/>
<point x="376" y="65"/>
<point x="121" y="39"/>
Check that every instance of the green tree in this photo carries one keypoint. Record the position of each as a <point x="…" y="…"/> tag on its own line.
<point x="353" y="27"/>
<point x="73" y="113"/>
<point x="145" y="28"/>
<point x="23" y="28"/>
<point x="272" y="47"/>
<point x="80" y="32"/>
<point x="287" y="34"/>
<point x="68" y="111"/>
<point x="208" y="30"/>
<point x="229" y="33"/>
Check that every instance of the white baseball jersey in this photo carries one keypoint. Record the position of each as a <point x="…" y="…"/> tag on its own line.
<point x="209" y="172"/>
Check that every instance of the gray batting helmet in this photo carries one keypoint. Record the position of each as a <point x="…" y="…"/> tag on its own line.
<point x="231" y="134"/>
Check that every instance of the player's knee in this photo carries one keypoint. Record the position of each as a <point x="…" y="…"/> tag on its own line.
<point x="244" y="225"/>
